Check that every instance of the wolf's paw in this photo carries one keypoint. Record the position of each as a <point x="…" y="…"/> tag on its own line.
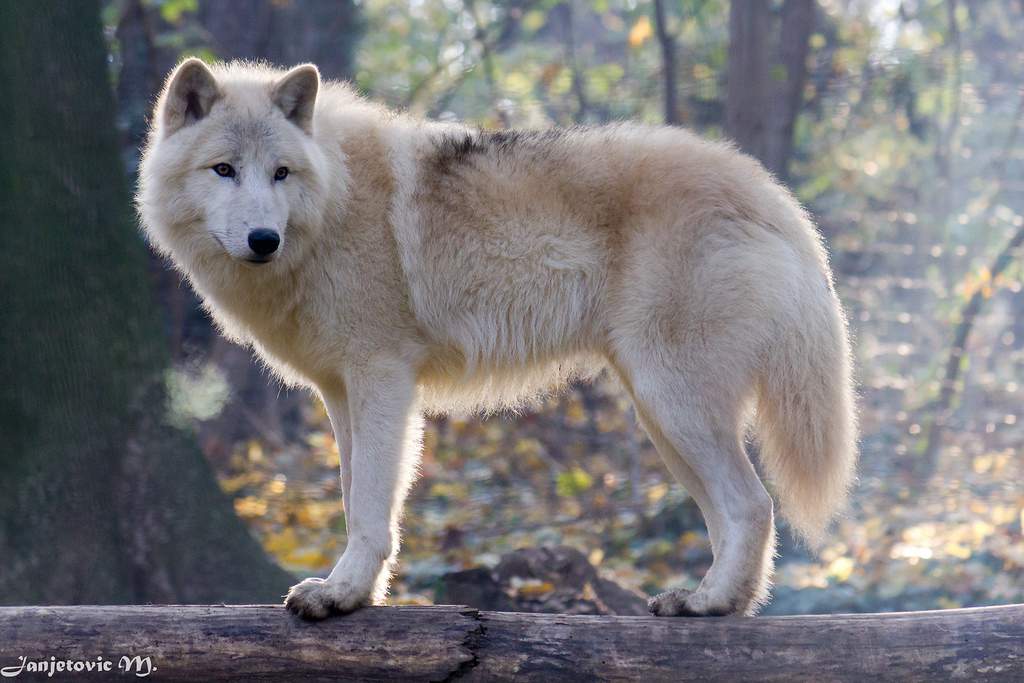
<point x="318" y="599"/>
<point x="684" y="603"/>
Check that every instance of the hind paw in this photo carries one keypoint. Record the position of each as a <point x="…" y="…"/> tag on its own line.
<point x="685" y="603"/>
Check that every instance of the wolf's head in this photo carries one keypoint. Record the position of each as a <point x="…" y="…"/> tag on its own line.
<point x="231" y="170"/>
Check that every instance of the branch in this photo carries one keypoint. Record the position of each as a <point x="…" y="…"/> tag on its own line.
<point x="488" y="43"/>
<point x="216" y="643"/>
<point x="786" y="98"/>
<point x="668" y="60"/>
<point x="579" y="86"/>
<point x="954" y="362"/>
<point x="947" y="133"/>
<point x="490" y="72"/>
<point x="439" y="68"/>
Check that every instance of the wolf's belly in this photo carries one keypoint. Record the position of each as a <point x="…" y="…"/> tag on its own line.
<point x="449" y="385"/>
<point x="503" y="331"/>
<point x="506" y="320"/>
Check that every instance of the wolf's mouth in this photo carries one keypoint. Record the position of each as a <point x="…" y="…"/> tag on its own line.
<point x="258" y="261"/>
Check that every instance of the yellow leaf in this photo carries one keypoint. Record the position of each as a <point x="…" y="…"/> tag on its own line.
<point x="573" y="482"/>
<point x="692" y="539"/>
<point x="281" y="544"/>
<point x="981" y="530"/>
<point x="957" y="550"/>
<point x="309" y="558"/>
<point x="533" y="20"/>
<point x="657" y="492"/>
<point x="250" y="507"/>
<point x="640" y="32"/>
<point x="575" y="413"/>
<point x="702" y="72"/>
<point x="255" y="451"/>
<point x="276" y="486"/>
<point x="533" y="589"/>
<point x="1003" y="514"/>
<point x="841" y="568"/>
<point x="235" y="484"/>
<point x="313" y="514"/>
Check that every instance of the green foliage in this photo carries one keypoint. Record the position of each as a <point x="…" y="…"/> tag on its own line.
<point x="172" y="10"/>
<point x="573" y="482"/>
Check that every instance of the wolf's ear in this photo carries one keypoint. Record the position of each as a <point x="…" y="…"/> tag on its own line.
<point x="190" y="93"/>
<point x="295" y="95"/>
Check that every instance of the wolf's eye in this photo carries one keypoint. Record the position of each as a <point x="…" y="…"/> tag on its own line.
<point x="281" y="173"/>
<point x="224" y="170"/>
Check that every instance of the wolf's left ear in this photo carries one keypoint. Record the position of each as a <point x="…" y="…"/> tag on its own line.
<point x="295" y="95"/>
<point x="190" y="93"/>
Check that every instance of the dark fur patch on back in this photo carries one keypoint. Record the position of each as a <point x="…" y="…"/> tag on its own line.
<point x="453" y="150"/>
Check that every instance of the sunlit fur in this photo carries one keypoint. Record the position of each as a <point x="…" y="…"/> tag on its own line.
<point x="433" y="266"/>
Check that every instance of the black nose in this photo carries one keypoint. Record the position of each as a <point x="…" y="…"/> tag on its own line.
<point x="264" y="241"/>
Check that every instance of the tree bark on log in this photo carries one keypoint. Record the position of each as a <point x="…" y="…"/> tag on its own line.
<point x="216" y="643"/>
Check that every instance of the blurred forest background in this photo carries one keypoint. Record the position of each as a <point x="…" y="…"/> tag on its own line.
<point x="897" y="122"/>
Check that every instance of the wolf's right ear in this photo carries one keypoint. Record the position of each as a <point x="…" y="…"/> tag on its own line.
<point x="190" y="93"/>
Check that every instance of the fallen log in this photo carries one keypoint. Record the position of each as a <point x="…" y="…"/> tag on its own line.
<point x="217" y="643"/>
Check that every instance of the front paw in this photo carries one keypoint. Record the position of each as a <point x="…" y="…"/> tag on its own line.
<point x="319" y="598"/>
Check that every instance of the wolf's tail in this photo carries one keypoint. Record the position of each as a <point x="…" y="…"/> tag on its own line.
<point x="806" y="414"/>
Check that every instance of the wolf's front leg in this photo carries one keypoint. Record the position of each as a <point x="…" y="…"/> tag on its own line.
<point x="386" y="430"/>
<point x="336" y="402"/>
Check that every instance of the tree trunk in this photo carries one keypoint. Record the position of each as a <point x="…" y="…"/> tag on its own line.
<point x="789" y="75"/>
<point x="100" y="500"/>
<point x="747" y="73"/>
<point x="766" y="78"/>
<point x="324" y="32"/>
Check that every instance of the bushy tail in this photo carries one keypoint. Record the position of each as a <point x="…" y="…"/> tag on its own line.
<point x="806" y="415"/>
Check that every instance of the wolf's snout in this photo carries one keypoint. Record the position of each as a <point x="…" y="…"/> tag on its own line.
<point x="264" y="241"/>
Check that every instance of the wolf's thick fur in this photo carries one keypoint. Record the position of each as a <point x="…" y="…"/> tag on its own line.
<point x="433" y="266"/>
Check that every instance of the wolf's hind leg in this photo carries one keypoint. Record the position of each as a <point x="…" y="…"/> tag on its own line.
<point x="695" y="425"/>
<point x="679" y="468"/>
<point x="385" y="433"/>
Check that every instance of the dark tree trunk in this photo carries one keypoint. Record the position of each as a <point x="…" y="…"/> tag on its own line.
<point x="138" y="78"/>
<point x="789" y="78"/>
<point x="324" y="32"/>
<point x="767" y="70"/>
<point x="100" y="501"/>
<point x="747" y="73"/>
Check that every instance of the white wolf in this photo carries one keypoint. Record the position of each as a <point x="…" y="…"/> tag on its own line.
<point x="397" y="265"/>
